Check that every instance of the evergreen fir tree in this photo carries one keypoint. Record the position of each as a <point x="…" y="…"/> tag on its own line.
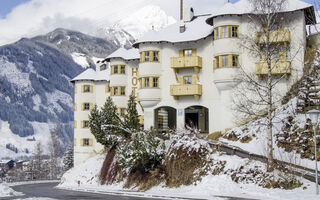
<point x="131" y="120"/>
<point x="68" y="158"/>
<point x="107" y="136"/>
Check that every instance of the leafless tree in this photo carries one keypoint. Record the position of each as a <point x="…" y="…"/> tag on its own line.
<point x="258" y="93"/>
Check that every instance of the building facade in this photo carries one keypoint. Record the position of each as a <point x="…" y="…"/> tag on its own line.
<point x="184" y="75"/>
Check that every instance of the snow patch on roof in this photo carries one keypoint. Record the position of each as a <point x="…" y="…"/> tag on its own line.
<point x="92" y="75"/>
<point x="195" y="30"/>
<point x="245" y="7"/>
<point x="130" y="54"/>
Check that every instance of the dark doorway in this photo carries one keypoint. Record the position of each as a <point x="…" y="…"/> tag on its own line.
<point x="197" y="117"/>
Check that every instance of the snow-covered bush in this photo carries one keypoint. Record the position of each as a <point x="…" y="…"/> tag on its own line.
<point x="187" y="159"/>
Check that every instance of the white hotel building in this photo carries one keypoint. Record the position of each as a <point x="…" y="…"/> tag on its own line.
<point x="184" y="74"/>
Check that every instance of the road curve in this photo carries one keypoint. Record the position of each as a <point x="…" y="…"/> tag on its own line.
<point x="48" y="190"/>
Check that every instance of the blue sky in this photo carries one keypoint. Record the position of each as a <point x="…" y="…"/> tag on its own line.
<point x="7" y="5"/>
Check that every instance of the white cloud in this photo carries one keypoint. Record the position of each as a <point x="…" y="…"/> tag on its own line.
<point x="41" y="16"/>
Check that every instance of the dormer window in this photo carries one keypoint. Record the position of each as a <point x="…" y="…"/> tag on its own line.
<point x="103" y="67"/>
<point x="187" y="52"/>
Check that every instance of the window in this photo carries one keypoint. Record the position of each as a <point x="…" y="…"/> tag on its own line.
<point x="115" y="69"/>
<point x="187" y="52"/>
<point x="235" y="61"/>
<point x="187" y="80"/>
<point x="86" y="106"/>
<point x="156" y="56"/>
<point x="216" y="32"/>
<point x="86" y="124"/>
<point x="122" y="91"/>
<point x="86" y="142"/>
<point x="224" y="32"/>
<point x="217" y="62"/>
<point x="122" y="112"/>
<point x="86" y="88"/>
<point x="155" y="82"/>
<point x="146" y="82"/>
<point x="234" y="31"/>
<point x="147" y="56"/>
<point x="224" y="61"/>
<point x="274" y="26"/>
<point x="123" y="69"/>
<point x="115" y="91"/>
<point x="103" y="67"/>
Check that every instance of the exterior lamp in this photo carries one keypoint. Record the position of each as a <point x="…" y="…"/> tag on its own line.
<point x="314" y="116"/>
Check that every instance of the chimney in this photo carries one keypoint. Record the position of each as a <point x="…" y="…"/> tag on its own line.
<point x="182" y="27"/>
<point x="181" y="10"/>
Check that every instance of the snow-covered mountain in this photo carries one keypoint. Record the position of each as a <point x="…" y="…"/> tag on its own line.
<point x="35" y="88"/>
<point x="133" y="26"/>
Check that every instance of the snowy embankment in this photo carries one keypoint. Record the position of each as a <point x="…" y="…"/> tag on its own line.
<point x="6" y="191"/>
<point x="210" y="187"/>
<point x="257" y="132"/>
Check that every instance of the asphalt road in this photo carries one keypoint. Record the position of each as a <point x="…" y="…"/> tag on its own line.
<point x="48" y="190"/>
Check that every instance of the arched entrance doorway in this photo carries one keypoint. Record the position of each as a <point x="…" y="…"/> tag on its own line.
<point x="165" y="118"/>
<point x="197" y="117"/>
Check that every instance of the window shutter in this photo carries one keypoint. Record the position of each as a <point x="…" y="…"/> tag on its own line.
<point x="74" y="124"/>
<point x="180" y="53"/>
<point x="181" y="80"/>
<point x="143" y="56"/>
<point x="75" y="89"/>
<point x="91" y="106"/>
<point x="151" y="82"/>
<point x="82" y="124"/>
<point x="143" y="82"/>
<point x="194" y="52"/>
<point x="82" y="106"/>
<point x="194" y="79"/>
<point x="112" y="69"/>
<point x="106" y="89"/>
<point x="151" y="56"/>
<point x="82" y="88"/>
<point x="119" y="91"/>
<point x="112" y="91"/>
<point x="91" y="89"/>
<point x="158" y="56"/>
<point x="229" y="31"/>
<point x="90" y="142"/>
<point x="230" y="61"/>
<point x="214" y="64"/>
<point x="220" y="32"/>
<point x="82" y="142"/>
<point x="220" y="62"/>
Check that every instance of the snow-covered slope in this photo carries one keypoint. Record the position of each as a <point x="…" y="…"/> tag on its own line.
<point x="132" y="27"/>
<point x="35" y="88"/>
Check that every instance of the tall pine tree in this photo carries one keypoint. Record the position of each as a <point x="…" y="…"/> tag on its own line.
<point x="131" y="119"/>
<point x="68" y="158"/>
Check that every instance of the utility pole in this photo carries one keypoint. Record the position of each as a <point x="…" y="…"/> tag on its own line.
<point x="181" y="10"/>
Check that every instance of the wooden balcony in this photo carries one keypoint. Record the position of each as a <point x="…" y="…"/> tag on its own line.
<point x="186" y="62"/>
<point x="276" y="36"/>
<point x="277" y="68"/>
<point x="186" y="90"/>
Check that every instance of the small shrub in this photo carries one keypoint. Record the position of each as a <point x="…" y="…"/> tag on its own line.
<point x="215" y="135"/>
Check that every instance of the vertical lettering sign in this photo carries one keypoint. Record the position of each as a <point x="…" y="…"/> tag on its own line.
<point x="134" y="80"/>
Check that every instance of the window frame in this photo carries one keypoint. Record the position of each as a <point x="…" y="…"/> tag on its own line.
<point x="224" y="32"/>
<point x="122" y="69"/>
<point x="187" y="80"/>
<point x="147" y="56"/>
<point x="235" y="61"/>
<point x="122" y="91"/>
<point x="187" y="52"/>
<point x="86" y="142"/>
<point x="155" y="82"/>
<point x="86" y="124"/>
<point x="225" y="61"/>
<point x="146" y="82"/>
<point x="155" y="56"/>
<point x="86" y="108"/>
<point x="86" y="88"/>
<point x="115" y="69"/>
<point x="235" y="31"/>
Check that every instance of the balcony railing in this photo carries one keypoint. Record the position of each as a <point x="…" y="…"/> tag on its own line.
<point x="186" y="90"/>
<point x="277" y="68"/>
<point x="276" y="36"/>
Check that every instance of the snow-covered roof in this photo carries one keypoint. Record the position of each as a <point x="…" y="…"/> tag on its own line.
<point x="130" y="54"/>
<point x="245" y="7"/>
<point x="195" y="30"/>
<point x="92" y="75"/>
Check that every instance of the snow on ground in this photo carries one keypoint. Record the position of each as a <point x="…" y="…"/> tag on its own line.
<point x="80" y="59"/>
<point x="210" y="187"/>
<point x="6" y="191"/>
<point x="258" y="145"/>
<point x="42" y="135"/>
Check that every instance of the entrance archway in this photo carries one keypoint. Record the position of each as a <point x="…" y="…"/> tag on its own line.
<point x="165" y="118"/>
<point x="197" y="117"/>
